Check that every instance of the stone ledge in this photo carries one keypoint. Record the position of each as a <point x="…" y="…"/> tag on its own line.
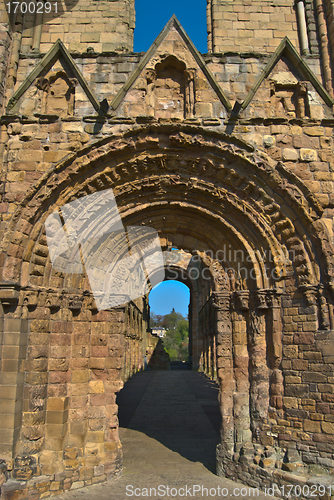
<point x="46" y="486"/>
<point x="248" y="472"/>
<point x="9" y="293"/>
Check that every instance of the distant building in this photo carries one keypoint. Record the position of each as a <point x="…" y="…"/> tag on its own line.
<point x="159" y="331"/>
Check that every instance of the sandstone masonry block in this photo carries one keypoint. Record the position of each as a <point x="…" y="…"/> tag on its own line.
<point x="308" y="154"/>
<point x="290" y="154"/>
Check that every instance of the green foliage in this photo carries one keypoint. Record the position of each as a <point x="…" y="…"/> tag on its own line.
<point x="171" y="320"/>
<point x="183" y="329"/>
<point x="156" y="320"/>
<point x="176" y="339"/>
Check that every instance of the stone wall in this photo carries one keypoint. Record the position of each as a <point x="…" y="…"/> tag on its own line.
<point x="229" y="157"/>
<point x="102" y="26"/>
<point x="250" y="26"/>
<point x="138" y="339"/>
<point x="83" y="25"/>
<point x="63" y="417"/>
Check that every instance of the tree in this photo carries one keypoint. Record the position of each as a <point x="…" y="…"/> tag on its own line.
<point x="176" y="338"/>
<point x="171" y="320"/>
<point x="156" y="319"/>
<point x="183" y="328"/>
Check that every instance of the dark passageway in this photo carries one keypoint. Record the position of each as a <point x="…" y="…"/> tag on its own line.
<point x="178" y="408"/>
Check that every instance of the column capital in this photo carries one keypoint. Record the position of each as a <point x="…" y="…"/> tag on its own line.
<point x="9" y="293"/>
<point x="222" y="300"/>
<point x="241" y="299"/>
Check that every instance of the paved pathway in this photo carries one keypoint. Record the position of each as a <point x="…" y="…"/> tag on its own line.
<point x="169" y="430"/>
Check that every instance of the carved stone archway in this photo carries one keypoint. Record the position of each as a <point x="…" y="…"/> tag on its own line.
<point x="255" y="227"/>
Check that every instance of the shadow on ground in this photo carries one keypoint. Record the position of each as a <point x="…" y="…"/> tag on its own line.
<point x="177" y="408"/>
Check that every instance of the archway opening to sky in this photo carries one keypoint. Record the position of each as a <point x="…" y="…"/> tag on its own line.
<point x="152" y="16"/>
<point x="168" y="295"/>
<point x="169" y="313"/>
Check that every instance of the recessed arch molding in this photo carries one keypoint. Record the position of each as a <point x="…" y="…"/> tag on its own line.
<point x="239" y="229"/>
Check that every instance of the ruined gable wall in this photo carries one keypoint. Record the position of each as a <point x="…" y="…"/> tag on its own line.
<point x="273" y="122"/>
<point x="67" y="349"/>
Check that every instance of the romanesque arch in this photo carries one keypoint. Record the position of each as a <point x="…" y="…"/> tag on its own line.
<point x="255" y="231"/>
<point x="256" y="189"/>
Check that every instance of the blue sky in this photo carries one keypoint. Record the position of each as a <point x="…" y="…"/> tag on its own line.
<point x="167" y="295"/>
<point x="152" y="15"/>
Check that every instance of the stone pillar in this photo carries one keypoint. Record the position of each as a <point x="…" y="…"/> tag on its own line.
<point x="209" y="26"/>
<point x="213" y="340"/>
<point x="239" y="317"/>
<point x="259" y="372"/>
<point x="13" y="345"/>
<point x="190" y="347"/>
<point x="275" y="350"/>
<point x="207" y="339"/>
<point x="225" y="368"/>
<point x="329" y="12"/>
<point x="56" y="345"/>
<point x="197" y="334"/>
<point x="214" y="357"/>
<point x="209" y="355"/>
<point x="190" y="93"/>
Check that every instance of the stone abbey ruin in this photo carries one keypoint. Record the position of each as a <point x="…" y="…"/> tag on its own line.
<point x="228" y="157"/>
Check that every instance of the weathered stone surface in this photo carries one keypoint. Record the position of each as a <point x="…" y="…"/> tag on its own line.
<point x="242" y="202"/>
<point x="290" y="154"/>
<point x="308" y="154"/>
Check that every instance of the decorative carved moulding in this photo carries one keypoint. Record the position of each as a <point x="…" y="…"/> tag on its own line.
<point x="266" y="298"/>
<point x="324" y="319"/>
<point x="9" y="293"/>
<point x="51" y="298"/>
<point x="74" y="303"/>
<point x="260" y="299"/>
<point x="221" y="300"/>
<point x="274" y="297"/>
<point x="241" y="299"/>
<point x="30" y="299"/>
<point x="24" y="467"/>
<point x="310" y="293"/>
<point x="53" y="301"/>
